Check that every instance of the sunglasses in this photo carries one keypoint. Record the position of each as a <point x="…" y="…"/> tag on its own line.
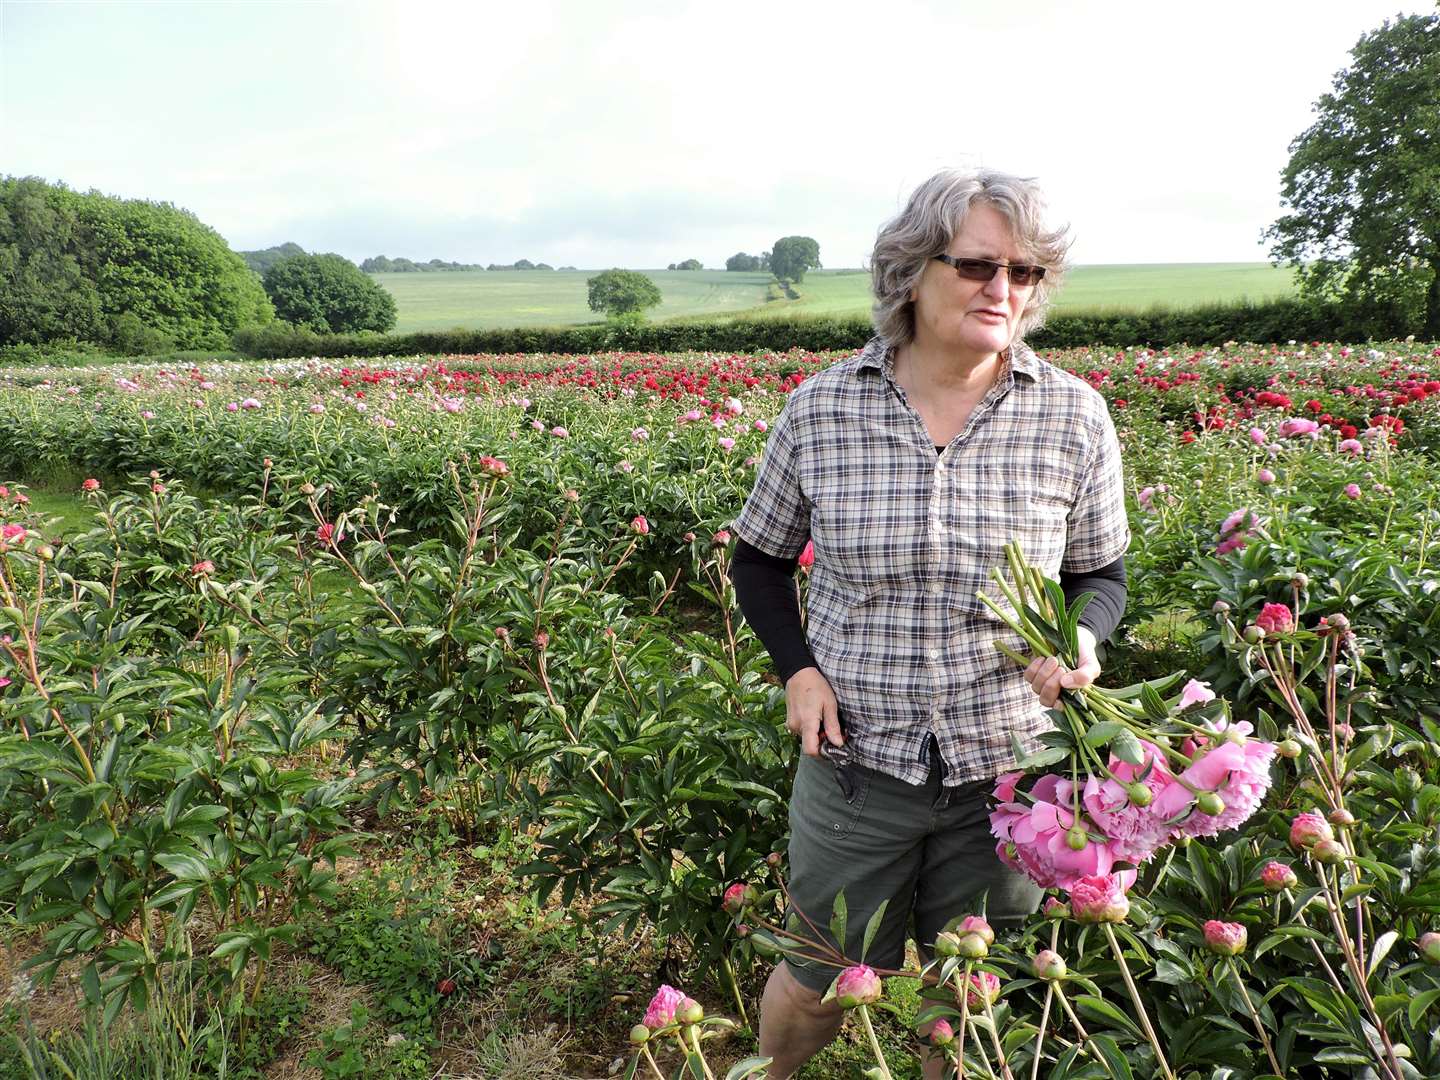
<point x="1022" y="275"/>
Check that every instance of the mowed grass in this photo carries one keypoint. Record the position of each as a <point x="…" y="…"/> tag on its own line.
<point x="484" y="299"/>
<point x="488" y="299"/>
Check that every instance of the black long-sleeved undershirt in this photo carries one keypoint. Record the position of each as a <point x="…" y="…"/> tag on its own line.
<point x="765" y="588"/>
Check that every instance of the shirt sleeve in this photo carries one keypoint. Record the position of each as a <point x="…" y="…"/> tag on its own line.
<point x="765" y="588"/>
<point x="1098" y="530"/>
<point x="1106" y="608"/>
<point x="776" y="516"/>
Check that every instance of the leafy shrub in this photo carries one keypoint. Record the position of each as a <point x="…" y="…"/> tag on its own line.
<point x="328" y="294"/>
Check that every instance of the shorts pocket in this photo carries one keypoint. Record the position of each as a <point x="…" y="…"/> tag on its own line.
<point x="822" y="803"/>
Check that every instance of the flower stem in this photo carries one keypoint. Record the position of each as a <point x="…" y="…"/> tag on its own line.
<point x="1139" y="1006"/>
<point x="1254" y="1016"/>
<point x="874" y="1043"/>
<point x="1080" y="1030"/>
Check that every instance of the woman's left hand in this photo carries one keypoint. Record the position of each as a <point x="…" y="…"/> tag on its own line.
<point x="1047" y="676"/>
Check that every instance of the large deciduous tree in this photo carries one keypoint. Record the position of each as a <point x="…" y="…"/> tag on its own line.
<point x="792" y="256"/>
<point x="622" y="292"/>
<point x="1363" y="184"/>
<point x="328" y="294"/>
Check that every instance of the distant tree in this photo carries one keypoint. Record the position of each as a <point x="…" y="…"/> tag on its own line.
<point x="127" y="274"/>
<point x="764" y="261"/>
<point x="543" y="266"/>
<point x="622" y="292"/>
<point x="1363" y="182"/>
<point x="523" y="264"/>
<point x="377" y="264"/>
<point x="742" y="262"/>
<point x="46" y="295"/>
<point x="328" y="294"/>
<point x="792" y="256"/>
<point x="670" y="266"/>
<point x="262" y="260"/>
<point x="690" y="264"/>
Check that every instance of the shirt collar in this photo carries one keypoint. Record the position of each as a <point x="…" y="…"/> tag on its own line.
<point x="879" y="355"/>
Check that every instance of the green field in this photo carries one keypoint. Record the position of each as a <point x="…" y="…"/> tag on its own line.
<point x="485" y="300"/>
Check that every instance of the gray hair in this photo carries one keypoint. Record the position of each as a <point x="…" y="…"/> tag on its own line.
<point x="928" y="224"/>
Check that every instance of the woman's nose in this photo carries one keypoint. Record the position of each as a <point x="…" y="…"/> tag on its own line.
<point x="999" y="283"/>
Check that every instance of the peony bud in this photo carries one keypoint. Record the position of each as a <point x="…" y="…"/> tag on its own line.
<point x="1309" y="829"/>
<point x="1139" y="794"/>
<point x="737" y="898"/>
<point x="1253" y="635"/>
<point x="1225" y="938"/>
<point x="1429" y="946"/>
<point x="1219" y="607"/>
<point x="1300" y="581"/>
<point x="1341" y="817"/>
<point x="446" y="987"/>
<point x="689" y="1011"/>
<point x="1049" y="965"/>
<point x="774" y="859"/>
<point x="942" y="1034"/>
<point x="1277" y="877"/>
<point x="974" y="924"/>
<point x="983" y="990"/>
<point x="542" y="639"/>
<point x="1076" y="838"/>
<point x="1329" y="852"/>
<point x="1209" y="802"/>
<point x="973" y="947"/>
<point x="639" y="1035"/>
<point x="858" y="985"/>
<point x="1056" y="909"/>
<point x="947" y="943"/>
<point x="1099" y="898"/>
<point x="1288" y="748"/>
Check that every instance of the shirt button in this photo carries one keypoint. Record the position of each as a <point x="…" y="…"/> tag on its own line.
<point x="933" y="586"/>
<point x="934" y="654"/>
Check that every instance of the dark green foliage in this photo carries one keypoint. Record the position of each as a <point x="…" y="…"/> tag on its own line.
<point x="1273" y="321"/>
<point x="382" y="264"/>
<point x="125" y="273"/>
<point x="622" y="292"/>
<point x="523" y="264"/>
<point x="792" y="256"/>
<point x="687" y="264"/>
<point x="742" y="262"/>
<point x="328" y="294"/>
<point x="1363" y="182"/>
<point x="262" y="260"/>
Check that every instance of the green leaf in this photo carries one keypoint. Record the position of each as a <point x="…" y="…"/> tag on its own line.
<point x="749" y="1067"/>
<point x="872" y="926"/>
<point x="1383" y="944"/>
<point x="1128" y="748"/>
<point x="1420" y="1004"/>
<point x="838" y="917"/>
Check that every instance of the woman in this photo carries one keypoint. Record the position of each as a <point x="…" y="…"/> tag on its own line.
<point x="910" y="466"/>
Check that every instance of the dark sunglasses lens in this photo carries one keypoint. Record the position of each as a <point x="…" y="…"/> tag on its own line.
<point x="976" y="269"/>
<point x="1026" y="275"/>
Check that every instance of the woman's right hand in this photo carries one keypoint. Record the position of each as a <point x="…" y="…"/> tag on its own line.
<point x="810" y="708"/>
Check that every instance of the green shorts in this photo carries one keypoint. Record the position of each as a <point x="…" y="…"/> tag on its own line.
<point x="927" y="850"/>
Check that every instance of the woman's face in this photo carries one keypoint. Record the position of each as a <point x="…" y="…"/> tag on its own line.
<point x="976" y="317"/>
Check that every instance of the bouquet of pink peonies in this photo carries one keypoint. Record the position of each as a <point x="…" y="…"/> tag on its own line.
<point x="1124" y="772"/>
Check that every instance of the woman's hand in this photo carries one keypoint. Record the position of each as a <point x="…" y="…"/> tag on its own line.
<point x="810" y="707"/>
<point x="1047" y="677"/>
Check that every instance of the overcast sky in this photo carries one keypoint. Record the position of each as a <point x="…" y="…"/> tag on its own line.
<point x="639" y="134"/>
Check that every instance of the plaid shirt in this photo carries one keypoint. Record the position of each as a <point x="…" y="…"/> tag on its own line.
<point x="904" y="538"/>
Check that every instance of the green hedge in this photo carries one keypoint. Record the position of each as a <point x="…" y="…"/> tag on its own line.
<point x="1273" y="321"/>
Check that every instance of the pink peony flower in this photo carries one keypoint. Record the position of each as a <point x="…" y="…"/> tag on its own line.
<point x="974" y="924"/>
<point x="1237" y="770"/>
<point x="1100" y="898"/>
<point x="984" y="989"/>
<point x="250" y="403"/>
<point x="761" y="426"/>
<point x="639" y="525"/>
<point x="1275" y="619"/>
<point x="1195" y="693"/>
<point x="721" y="539"/>
<point x="1133" y="832"/>
<point x="691" y="416"/>
<point x="639" y="434"/>
<point x="1351" y="446"/>
<point x="1297" y="426"/>
<point x="494" y="466"/>
<point x="1277" y="877"/>
<point x="1265" y="476"/>
<point x="1308" y="829"/>
<point x="1257" y="436"/>
<point x="807" y="556"/>
<point x="661" y="1011"/>
<point x="858" y="985"/>
<point x="1032" y="837"/>
<point x="1225" y="938"/>
<point x="559" y="432"/>
<point x="1352" y="491"/>
<point x="727" y="444"/>
<point x="942" y="1034"/>
<point x="91" y="484"/>
<point x="325" y="533"/>
<point x="203" y="568"/>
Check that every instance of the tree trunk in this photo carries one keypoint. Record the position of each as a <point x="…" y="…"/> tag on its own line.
<point x="1432" y="304"/>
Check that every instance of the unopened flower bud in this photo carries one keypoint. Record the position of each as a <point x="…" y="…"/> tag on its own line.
<point x="858" y="985"/>
<point x="974" y="924"/>
<point x="1209" y="802"/>
<point x="1309" y="829"/>
<point x="1225" y="938"/>
<point x="1300" y="581"/>
<point x="942" y="1034"/>
<point x="1288" y="748"/>
<point x="1049" y="965"/>
<point x="1329" y="852"/>
<point x="774" y="859"/>
<point x="1056" y="909"/>
<point x="1253" y="635"/>
<point x="973" y="947"/>
<point x="639" y="1035"/>
<point x="1429" y="946"/>
<point x="542" y="639"/>
<point x="1338" y="621"/>
<point x="1277" y="877"/>
<point x="947" y="943"/>
<point x="44" y="552"/>
<point x="1219" y="607"/>
<point x="1139" y="794"/>
<point x="1340" y="817"/>
<point x="1076" y="838"/>
<point x="307" y="488"/>
<point x="690" y="1011"/>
